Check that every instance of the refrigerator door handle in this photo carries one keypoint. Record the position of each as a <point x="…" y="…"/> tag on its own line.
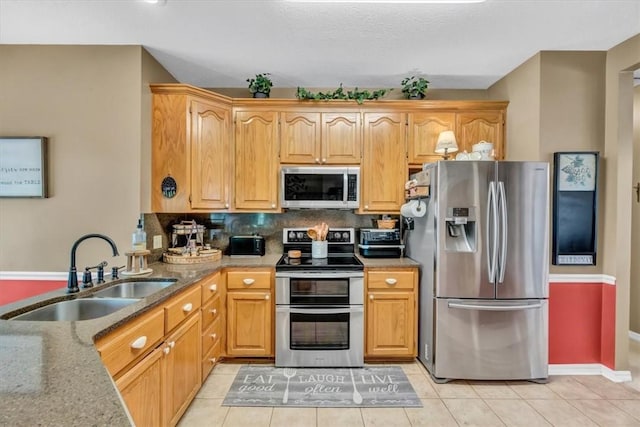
<point x="492" y="224"/>
<point x="494" y="307"/>
<point x="502" y="197"/>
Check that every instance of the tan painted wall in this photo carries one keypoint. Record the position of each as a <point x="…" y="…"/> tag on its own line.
<point x="87" y="101"/>
<point x="621" y="60"/>
<point x="634" y="281"/>
<point x="521" y="87"/>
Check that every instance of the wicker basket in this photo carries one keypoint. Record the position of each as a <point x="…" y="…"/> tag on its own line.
<point x="205" y="256"/>
<point x="387" y="223"/>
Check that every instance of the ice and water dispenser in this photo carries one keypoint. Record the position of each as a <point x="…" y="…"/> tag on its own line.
<point x="460" y="229"/>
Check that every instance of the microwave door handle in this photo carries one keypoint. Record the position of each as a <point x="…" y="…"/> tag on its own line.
<point x="345" y="186"/>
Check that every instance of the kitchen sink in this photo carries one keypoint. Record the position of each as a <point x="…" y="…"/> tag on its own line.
<point x="76" y="309"/>
<point x="134" y="289"/>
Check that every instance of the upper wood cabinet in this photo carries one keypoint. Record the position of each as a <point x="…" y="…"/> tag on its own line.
<point x="210" y="156"/>
<point x="423" y="131"/>
<point x="256" y="161"/>
<point x="384" y="162"/>
<point x="191" y="144"/>
<point x="475" y="126"/>
<point x="320" y="138"/>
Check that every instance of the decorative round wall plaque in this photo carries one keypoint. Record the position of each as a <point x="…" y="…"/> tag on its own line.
<point x="169" y="187"/>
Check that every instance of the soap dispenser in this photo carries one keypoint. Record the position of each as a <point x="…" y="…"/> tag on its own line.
<point x="139" y="238"/>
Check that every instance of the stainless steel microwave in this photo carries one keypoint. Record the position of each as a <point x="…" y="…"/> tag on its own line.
<point x="320" y="187"/>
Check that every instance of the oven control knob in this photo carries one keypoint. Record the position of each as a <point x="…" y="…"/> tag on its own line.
<point x="345" y="236"/>
<point x="292" y="235"/>
<point x="300" y="235"/>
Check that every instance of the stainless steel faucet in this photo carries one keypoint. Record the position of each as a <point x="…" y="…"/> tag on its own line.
<point x="72" y="283"/>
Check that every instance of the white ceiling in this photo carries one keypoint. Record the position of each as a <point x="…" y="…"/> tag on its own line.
<point x="221" y="43"/>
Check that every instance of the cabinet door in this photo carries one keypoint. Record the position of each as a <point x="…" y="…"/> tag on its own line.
<point x="424" y="129"/>
<point x="210" y="155"/>
<point x="299" y="137"/>
<point x="473" y="127"/>
<point x="384" y="168"/>
<point x="391" y="324"/>
<point x="183" y="368"/>
<point x="249" y="320"/>
<point x="341" y="138"/>
<point x="141" y="390"/>
<point x="256" y="154"/>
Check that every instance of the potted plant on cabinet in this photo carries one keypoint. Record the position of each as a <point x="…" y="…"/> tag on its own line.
<point x="414" y="87"/>
<point x="260" y="86"/>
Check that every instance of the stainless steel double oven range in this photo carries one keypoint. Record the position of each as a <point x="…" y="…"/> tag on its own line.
<point x="320" y="303"/>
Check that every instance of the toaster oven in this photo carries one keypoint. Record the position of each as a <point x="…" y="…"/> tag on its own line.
<point x="380" y="243"/>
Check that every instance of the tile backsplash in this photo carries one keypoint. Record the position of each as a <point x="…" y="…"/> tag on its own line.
<point x="220" y="226"/>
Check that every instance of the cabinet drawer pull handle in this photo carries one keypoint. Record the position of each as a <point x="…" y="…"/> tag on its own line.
<point x="187" y="307"/>
<point x="212" y="360"/>
<point x="248" y="281"/>
<point x="371" y="297"/>
<point x="214" y="311"/>
<point x="390" y="281"/>
<point x="213" y="287"/>
<point x="139" y="343"/>
<point x="214" y="336"/>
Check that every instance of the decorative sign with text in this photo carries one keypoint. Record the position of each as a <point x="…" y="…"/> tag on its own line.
<point x="23" y="167"/>
<point x="371" y="386"/>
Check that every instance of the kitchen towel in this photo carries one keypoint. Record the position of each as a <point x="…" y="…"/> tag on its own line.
<point x="371" y="386"/>
<point x="413" y="209"/>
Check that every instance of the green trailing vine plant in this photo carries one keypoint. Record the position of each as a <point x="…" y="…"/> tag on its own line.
<point x="340" y="93"/>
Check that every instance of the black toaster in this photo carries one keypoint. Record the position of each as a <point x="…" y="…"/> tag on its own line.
<point x="246" y="245"/>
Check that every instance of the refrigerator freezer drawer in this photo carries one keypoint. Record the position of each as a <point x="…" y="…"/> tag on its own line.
<point x="491" y="340"/>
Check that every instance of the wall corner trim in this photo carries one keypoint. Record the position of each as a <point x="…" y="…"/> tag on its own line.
<point x="582" y="278"/>
<point x="591" y="369"/>
<point x="33" y="275"/>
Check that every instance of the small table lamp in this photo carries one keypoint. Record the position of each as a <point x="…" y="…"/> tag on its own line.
<point x="446" y="144"/>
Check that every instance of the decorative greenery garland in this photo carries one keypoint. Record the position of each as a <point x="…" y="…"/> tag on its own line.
<point x="358" y="95"/>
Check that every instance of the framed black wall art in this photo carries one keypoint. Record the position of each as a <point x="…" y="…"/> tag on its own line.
<point x="575" y="206"/>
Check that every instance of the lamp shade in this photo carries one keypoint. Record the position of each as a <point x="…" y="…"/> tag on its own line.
<point x="446" y="143"/>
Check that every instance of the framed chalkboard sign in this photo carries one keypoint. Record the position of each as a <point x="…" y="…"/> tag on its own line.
<point x="23" y="167"/>
<point x="575" y="207"/>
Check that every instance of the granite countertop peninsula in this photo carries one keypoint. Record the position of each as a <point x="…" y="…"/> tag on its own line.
<point x="51" y="373"/>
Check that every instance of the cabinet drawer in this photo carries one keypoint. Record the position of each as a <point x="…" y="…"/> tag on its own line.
<point x="211" y="335"/>
<point x="249" y="279"/>
<point x="211" y="311"/>
<point x="390" y="280"/>
<point x="210" y="287"/>
<point x="126" y="343"/>
<point x="210" y="360"/>
<point x="181" y="307"/>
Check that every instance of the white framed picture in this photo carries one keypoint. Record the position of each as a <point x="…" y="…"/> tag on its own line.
<point x="576" y="171"/>
<point x="23" y="167"/>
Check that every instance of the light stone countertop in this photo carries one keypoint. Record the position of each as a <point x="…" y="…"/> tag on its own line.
<point x="51" y="373"/>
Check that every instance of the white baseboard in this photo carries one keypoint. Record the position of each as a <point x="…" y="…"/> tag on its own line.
<point x="634" y="336"/>
<point x="590" y="369"/>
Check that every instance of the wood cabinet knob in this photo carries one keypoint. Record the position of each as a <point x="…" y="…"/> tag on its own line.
<point x="187" y="307"/>
<point x="166" y="350"/>
<point x="214" y="311"/>
<point x="248" y="281"/>
<point x="139" y="342"/>
<point x="324" y="160"/>
<point x="171" y="344"/>
<point x="226" y="205"/>
<point x="214" y="336"/>
<point x="371" y="297"/>
<point x="390" y="281"/>
<point x="213" y="287"/>
<point x="317" y="160"/>
<point x="366" y="206"/>
<point x="267" y="296"/>
<point x="273" y="205"/>
<point x="212" y="360"/>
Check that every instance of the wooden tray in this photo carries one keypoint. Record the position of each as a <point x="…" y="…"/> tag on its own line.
<point x="210" y="255"/>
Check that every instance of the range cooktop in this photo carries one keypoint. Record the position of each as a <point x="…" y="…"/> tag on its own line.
<point x="334" y="262"/>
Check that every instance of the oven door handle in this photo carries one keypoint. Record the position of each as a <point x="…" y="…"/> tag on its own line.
<point x="306" y="274"/>
<point x="332" y="310"/>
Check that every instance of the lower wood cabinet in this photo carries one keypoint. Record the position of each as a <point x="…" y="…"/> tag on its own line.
<point x="250" y="313"/>
<point x="391" y="313"/>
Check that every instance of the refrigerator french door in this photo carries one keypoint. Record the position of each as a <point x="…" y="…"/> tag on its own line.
<point x="483" y="246"/>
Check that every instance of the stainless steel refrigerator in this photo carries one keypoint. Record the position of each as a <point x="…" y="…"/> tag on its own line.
<point x="483" y="245"/>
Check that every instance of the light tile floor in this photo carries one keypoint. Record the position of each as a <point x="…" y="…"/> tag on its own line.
<point x="564" y="401"/>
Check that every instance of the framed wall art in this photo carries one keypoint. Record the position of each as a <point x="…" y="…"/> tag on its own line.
<point x="23" y="167"/>
<point x="575" y="206"/>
